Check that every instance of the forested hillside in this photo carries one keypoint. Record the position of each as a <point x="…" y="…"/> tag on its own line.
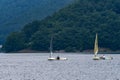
<point x="14" y="14"/>
<point x="73" y="28"/>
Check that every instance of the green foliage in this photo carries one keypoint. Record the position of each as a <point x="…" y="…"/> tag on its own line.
<point x="40" y="41"/>
<point x="75" y="26"/>
<point x="14" y="42"/>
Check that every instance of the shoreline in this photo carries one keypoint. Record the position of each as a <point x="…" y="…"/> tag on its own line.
<point x="61" y="52"/>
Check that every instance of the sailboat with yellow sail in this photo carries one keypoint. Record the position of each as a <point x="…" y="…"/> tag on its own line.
<point x="96" y="49"/>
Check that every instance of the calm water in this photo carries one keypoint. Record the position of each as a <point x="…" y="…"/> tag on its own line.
<point x="77" y="67"/>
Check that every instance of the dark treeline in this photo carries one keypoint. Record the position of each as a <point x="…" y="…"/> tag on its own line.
<point x="73" y="28"/>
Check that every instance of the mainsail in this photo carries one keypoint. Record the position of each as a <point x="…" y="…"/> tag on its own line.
<point x="96" y="46"/>
<point x="51" y="46"/>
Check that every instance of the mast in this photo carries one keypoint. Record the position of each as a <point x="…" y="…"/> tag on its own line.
<point x="96" y="45"/>
<point x="51" y="46"/>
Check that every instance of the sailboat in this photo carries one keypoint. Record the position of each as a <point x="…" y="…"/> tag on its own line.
<point x="96" y="49"/>
<point x="51" y="52"/>
<point x="96" y="52"/>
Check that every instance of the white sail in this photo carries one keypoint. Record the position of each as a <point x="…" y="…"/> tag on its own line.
<point x="96" y="46"/>
<point x="51" y="46"/>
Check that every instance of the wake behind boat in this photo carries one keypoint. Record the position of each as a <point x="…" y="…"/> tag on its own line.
<point x="106" y="58"/>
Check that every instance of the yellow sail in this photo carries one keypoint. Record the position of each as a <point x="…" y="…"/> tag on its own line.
<point x="96" y="46"/>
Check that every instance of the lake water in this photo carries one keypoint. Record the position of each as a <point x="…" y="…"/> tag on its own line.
<point x="77" y="67"/>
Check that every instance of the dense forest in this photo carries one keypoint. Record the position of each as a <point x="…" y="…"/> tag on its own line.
<point x="14" y="14"/>
<point x="73" y="28"/>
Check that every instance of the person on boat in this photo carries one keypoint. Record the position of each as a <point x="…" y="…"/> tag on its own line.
<point x="58" y="58"/>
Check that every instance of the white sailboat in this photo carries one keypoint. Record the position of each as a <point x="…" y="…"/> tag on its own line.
<point x="51" y="52"/>
<point x="96" y="49"/>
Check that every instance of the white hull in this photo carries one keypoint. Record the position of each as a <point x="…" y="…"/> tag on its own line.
<point x="57" y="59"/>
<point x="51" y="58"/>
<point x="96" y="58"/>
<point x="62" y="59"/>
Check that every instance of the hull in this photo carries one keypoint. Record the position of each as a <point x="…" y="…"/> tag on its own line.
<point x="62" y="59"/>
<point x="96" y="58"/>
<point x="51" y="59"/>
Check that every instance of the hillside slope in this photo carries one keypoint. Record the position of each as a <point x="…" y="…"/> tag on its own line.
<point x="16" y="13"/>
<point x="73" y="28"/>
